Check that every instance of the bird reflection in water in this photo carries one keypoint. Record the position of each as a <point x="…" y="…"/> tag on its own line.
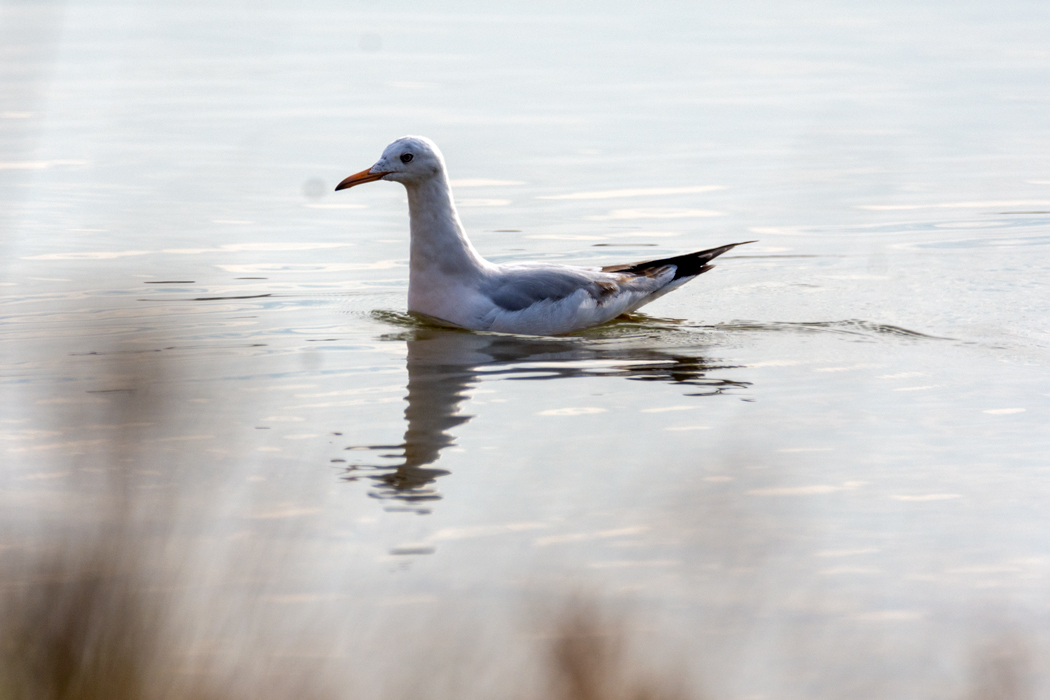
<point x="444" y="365"/>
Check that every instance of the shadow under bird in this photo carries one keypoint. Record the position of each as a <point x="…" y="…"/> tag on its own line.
<point x="449" y="282"/>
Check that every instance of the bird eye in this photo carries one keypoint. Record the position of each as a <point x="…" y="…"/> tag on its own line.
<point x="406" y="157"/>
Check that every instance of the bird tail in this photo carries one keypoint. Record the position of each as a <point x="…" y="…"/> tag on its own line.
<point x="686" y="266"/>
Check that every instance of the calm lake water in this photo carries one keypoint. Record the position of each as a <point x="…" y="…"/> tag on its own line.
<point x="820" y="470"/>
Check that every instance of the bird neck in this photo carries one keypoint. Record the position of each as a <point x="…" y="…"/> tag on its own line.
<point x="438" y="241"/>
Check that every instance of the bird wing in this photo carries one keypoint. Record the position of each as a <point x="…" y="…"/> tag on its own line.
<point x="545" y="299"/>
<point x="688" y="265"/>
<point x="518" y="287"/>
<point x="559" y="299"/>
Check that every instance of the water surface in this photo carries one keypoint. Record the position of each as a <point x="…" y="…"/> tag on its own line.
<point x="819" y="470"/>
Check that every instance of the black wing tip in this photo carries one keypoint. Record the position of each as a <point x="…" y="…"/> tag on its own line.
<point x="687" y="265"/>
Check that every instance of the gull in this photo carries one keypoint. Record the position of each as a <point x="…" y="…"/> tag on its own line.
<point x="449" y="283"/>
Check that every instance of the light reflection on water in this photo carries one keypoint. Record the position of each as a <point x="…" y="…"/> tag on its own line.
<point x="817" y="470"/>
<point x="444" y="365"/>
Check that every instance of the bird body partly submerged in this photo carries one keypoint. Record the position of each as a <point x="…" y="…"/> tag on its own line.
<point x="449" y="280"/>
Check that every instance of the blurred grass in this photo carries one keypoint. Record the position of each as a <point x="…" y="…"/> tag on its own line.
<point x="590" y="660"/>
<point x="93" y="605"/>
<point x="85" y="624"/>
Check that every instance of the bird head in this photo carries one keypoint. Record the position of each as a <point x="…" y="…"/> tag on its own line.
<point x="409" y="160"/>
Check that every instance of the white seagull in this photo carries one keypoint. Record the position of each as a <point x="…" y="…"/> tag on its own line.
<point x="449" y="282"/>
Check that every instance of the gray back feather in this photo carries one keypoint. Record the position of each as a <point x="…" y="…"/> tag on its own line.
<point x="519" y="287"/>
